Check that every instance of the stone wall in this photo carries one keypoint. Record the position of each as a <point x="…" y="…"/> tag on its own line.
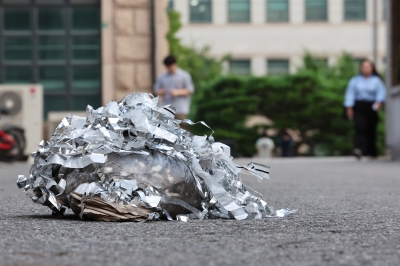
<point x="126" y="45"/>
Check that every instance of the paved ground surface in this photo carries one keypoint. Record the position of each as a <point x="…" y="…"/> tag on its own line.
<point x="348" y="214"/>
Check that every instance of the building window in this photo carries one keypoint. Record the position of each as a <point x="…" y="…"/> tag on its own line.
<point x="355" y="10"/>
<point x="277" y="10"/>
<point x="384" y="9"/>
<point x="278" y="67"/>
<point x="239" y="11"/>
<point x="170" y="6"/>
<point x="316" y="10"/>
<point x="240" y="67"/>
<point x="56" y="45"/>
<point x="200" y="11"/>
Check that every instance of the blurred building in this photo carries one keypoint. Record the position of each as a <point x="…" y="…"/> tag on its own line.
<point x="393" y="81"/>
<point x="82" y="51"/>
<point x="271" y="36"/>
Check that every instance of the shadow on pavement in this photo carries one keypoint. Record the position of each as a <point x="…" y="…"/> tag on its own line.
<point x="70" y="217"/>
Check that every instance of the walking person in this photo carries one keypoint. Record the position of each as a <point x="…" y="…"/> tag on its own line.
<point x="285" y="143"/>
<point x="364" y="97"/>
<point x="175" y="87"/>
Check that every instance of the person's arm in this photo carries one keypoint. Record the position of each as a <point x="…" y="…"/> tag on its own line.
<point x="180" y="92"/>
<point x="349" y="98"/>
<point x="380" y="95"/>
<point x="187" y="90"/>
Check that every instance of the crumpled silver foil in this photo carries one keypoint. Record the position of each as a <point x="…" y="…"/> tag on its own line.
<point x="131" y="161"/>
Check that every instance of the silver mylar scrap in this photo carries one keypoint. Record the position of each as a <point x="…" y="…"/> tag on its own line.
<point x="131" y="161"/>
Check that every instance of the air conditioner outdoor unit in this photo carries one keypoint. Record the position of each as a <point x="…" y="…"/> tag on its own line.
<point x="25" y="106"/>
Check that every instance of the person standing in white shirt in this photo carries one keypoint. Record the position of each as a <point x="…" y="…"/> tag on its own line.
<point x="265" y="146"/>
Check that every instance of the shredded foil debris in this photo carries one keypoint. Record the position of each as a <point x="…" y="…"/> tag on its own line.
<point x="131" y="161"/>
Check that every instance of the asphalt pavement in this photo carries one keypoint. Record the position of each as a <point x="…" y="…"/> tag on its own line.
<point x="348" y="214"/>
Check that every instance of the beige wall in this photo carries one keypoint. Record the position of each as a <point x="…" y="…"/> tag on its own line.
<point x="259" y="41"/>
<point x="162" y="28"/>
<point x="126" y="46"/>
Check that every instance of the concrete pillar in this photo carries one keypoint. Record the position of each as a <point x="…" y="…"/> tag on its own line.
<point x="225" y="68"/>
<point x="335" y="11"/>
<point x="297" y="11"/>
<point x="220" y="12"/>
<point x="295" y="62"/>
<point x="380" y="11"/>
<point x="182" y="6"/>
<point x="258" y="12"/>
<point x="258" y="66"/>
<point x="332" y="59"/>
<point x="393" y="82"/>
<point x="370" y="10"/>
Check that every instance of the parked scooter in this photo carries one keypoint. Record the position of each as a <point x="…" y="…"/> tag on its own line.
<point x="12" y="142"/>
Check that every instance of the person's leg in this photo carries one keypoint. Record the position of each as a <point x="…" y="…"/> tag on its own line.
<point x="360" y="121"/>
<point x="371" y="134"/>
<point x="286" y="148"/>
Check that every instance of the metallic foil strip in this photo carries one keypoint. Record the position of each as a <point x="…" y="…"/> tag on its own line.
<point x="132" y="161"/>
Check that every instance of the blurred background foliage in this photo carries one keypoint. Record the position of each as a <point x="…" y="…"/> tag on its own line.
<point x="197" y="62"/>
<point x="309" y="101"/>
